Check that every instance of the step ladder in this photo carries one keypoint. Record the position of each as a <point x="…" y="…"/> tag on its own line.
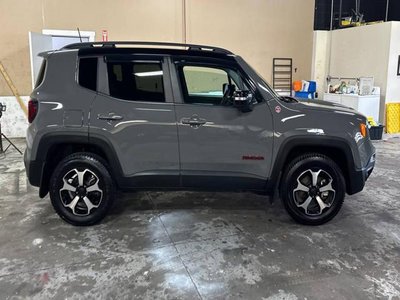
<point x="282" y="76"/>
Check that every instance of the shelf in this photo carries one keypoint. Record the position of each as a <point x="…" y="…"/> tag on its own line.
<point x="282" y="74"/>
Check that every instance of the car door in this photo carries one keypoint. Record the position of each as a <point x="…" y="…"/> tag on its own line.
<point x="134" y="113"/>
<point x="220" y="146"/>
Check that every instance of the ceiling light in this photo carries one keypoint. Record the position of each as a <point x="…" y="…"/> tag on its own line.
<point x="146" y="74"/>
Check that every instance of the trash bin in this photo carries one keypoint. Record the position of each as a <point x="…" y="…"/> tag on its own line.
<point x="375" y="132"/>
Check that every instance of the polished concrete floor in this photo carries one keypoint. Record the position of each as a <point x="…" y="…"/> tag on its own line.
<point x="192" y="245"/>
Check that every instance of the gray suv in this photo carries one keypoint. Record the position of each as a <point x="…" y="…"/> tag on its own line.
<point x="165" y="116"/>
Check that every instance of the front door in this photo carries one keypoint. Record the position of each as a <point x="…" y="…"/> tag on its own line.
<point x="220" y="146"/>
<point x="134" y="111"/>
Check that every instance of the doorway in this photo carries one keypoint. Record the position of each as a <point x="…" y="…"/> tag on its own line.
<point x="51" y="39"/>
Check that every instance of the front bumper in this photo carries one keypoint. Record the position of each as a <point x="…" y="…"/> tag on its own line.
<point x="370" y="167"/>
<point x="359" y="177"/>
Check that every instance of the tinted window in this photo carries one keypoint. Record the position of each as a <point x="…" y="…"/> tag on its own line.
<point x="88" y="73"/>
<point x="204" y="81"/>
<point x="42" y="70"/>
<point x="136" y="81"/>
<point x="208" y="85"/>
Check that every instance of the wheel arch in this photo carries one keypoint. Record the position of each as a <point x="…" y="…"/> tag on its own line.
<point x="335" y="148"/>
<point x="53" y="148"/>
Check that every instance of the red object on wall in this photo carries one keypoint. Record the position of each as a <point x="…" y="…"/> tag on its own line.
<point x="104" y="34"/>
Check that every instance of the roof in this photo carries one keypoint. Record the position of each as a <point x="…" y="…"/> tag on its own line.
<point x="126" y="47"/>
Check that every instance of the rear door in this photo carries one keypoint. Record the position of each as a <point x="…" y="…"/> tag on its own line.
<point x="220" y="146"/>
<point x="133" y="111"/>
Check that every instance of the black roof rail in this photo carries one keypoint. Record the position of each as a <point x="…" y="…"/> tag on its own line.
<point x="126" y="43"/>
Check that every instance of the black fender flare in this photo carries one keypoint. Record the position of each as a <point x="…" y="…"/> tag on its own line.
<point x="40" y="176"/>
<point x="355" y="181"/>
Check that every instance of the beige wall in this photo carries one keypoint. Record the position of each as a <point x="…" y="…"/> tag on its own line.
<point x="16" y="19"/>
<point x="258" y="30"/>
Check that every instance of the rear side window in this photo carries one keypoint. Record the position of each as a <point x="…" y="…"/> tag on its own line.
<point x="88" y="73"/>
<point x="42" y="70"/>
<point x="136" y="81"/>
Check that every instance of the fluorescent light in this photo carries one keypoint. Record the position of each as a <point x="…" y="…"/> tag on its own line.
<point x="146" y="74"/>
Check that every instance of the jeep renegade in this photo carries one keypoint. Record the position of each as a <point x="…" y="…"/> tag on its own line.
<point x="166" y="116"/>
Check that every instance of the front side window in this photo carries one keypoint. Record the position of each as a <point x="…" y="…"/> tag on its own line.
<point x="210" y="85"/>
<point x="136" y="81"/>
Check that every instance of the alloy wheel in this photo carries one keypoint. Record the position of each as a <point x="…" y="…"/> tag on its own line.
<point x="81" y="192"/>
<point x="314" y="192"/>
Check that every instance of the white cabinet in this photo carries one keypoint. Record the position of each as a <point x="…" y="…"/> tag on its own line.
<point x="367" y="105"/>
<point x="336" y="98"/>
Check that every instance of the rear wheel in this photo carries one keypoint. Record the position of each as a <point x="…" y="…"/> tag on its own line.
<point x="81" y="189"/>
<point x="313" y="189"/>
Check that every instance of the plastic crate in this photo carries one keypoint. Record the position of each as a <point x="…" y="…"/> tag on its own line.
<point x="312" y="88"/>
<point x="304" y="95"/>
<point x="393" y="117"/>
<point x="375" y="132"/>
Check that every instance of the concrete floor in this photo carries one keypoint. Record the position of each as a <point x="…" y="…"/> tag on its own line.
<point x="187" y="245"/>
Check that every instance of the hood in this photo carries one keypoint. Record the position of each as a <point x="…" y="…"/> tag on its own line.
<point x="325" y="106"/>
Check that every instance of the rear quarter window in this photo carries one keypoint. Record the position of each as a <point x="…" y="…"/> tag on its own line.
<point x="88" y="73"/>
<point x="42" y="70"/>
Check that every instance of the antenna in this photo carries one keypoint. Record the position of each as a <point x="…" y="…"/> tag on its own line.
<point x="79" y="33"/>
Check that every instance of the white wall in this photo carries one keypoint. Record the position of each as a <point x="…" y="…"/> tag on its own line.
<point x="321" y="59"/>
<point x="13" y="122"/>
<point x="393" y="80"/>
<point x="361" y="51"/>
<point x="370" y="50"/>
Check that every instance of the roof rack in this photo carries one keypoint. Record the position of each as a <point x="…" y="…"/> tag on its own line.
<point x="125" y="43"/>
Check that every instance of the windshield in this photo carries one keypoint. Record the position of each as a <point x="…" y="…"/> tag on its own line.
<point x="287" y="99"/>
<point x="266" y="84"/>
<point x="260" y="81"/>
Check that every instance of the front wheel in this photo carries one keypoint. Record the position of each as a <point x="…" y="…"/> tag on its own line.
<point x="81" y="189"/>
<point x="313" y="189"/>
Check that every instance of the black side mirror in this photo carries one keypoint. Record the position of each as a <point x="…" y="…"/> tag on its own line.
<point x="243" y="100"/>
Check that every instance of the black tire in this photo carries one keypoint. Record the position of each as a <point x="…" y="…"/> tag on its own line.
<point x="304" y="168"/>
<point x="90" y="169"/>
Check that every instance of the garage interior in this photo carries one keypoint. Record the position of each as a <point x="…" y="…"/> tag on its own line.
<point x="210" y="245"/>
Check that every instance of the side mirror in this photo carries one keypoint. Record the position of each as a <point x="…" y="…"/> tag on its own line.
<point x="243" y="100"/>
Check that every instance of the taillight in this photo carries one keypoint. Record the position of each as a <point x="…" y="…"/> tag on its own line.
<point x="32" y="109"/>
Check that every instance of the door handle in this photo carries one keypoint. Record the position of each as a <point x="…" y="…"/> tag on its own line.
<point x="194" y="121"/>
<point x="109" y="117"/>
